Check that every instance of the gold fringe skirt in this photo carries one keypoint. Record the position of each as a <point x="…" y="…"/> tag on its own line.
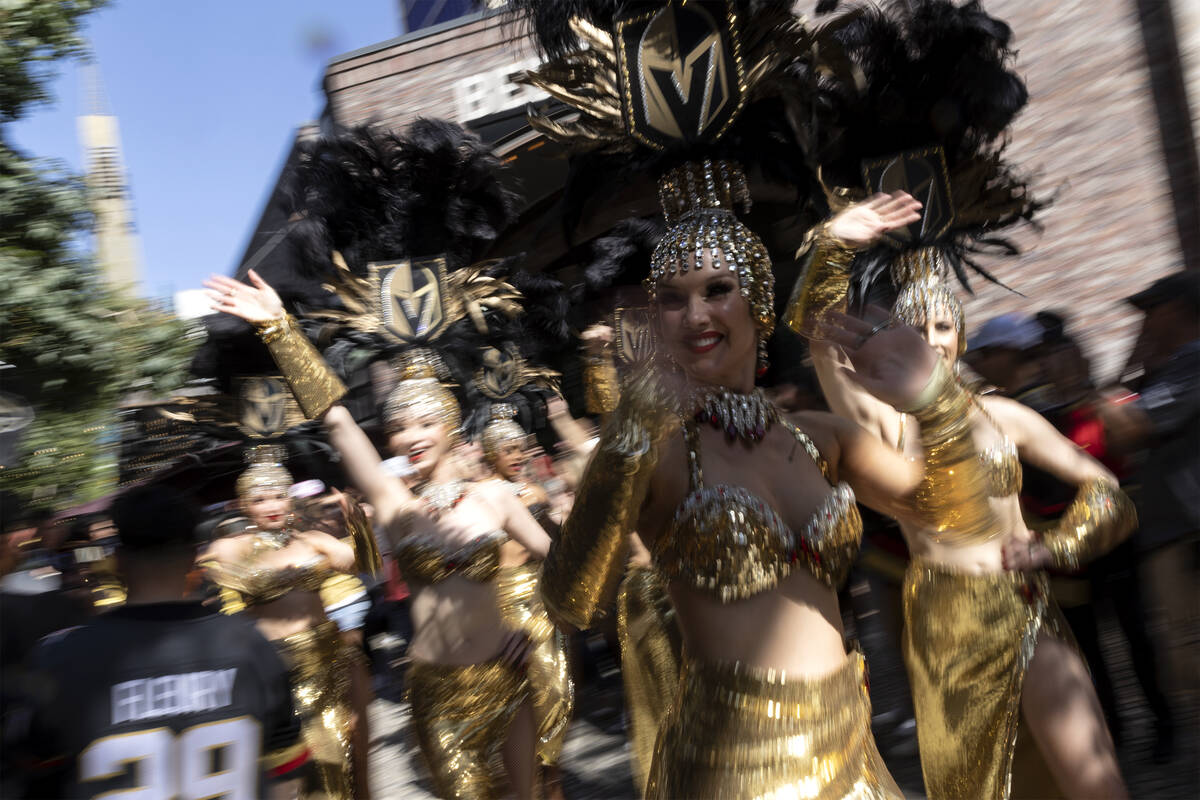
<point x="968" y="640"/>
<point x="461" y="716"/>
<point x="319" y="667"/>
<point x="651" y="648"/>
<point x="747" y="732"/>
<point x="549" y="673"/>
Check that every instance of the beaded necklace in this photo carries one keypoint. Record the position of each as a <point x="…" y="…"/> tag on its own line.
<point x="739" y="416"/>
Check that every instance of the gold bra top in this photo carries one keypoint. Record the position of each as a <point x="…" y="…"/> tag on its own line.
<point x="728" y="542"/>
<point x="259" y="585"/>
<point x="426" y="560"/>
<point x="1001" y="462"/>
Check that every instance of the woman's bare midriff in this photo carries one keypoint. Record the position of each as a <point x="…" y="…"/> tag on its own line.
<point x="456" y="621"/>
<point x="974" y="559"/>
<point x="795" y="627"/>
<point x="293" y="613"/>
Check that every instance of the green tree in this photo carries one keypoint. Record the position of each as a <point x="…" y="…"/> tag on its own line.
<point x="72" y="345"/>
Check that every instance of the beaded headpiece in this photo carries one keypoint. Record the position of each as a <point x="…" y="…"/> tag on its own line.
<point x="501" y="431"/>
<point x="699" y="201"/>
<point x="266" y="472"/>
<point x="924" y="291"/>
<point x="419" y="393"/>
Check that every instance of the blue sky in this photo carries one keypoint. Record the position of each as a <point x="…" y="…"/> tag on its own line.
<point x="208" y="95"/>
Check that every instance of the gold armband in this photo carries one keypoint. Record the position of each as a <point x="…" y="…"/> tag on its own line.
<point x="824" y="287"/>
<point x="313" y="383"/>
<point x="1100" y="518"/>
<point x="953" y="495"/>
<point x="583" y="567"/>
<point x="602" y="387"/>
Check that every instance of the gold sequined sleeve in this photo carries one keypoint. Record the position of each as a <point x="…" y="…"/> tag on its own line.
<point x="1100" y="518"/>
<point x="313" y="383"/>
<point x="584" y="565"/>
<point x="824" y="287"/>
<point x="952" y="497"/>
<point x="602" y="387"/>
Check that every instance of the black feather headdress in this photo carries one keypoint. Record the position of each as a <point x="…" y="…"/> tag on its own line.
<point x="395" y="224"/>
<point x="937" y="95"/>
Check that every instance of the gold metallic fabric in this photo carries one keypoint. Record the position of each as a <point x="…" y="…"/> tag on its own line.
<point x="953" y="496"/>
<point x="728" y="542"/>
<point x="425" y="559"/>
<point x="319" y="665"/>
<point x="257" y="585"/>
<point x="651" y="653"/>
<point x="742" y="732"/>
<point x="461" y="715"/>
<point x="1100" y="518"/>
<point x="1002" y="465"/>
<point x="367" y="560"/>
<point x="602" y="386"/>
<point x="312" y="382"/>
<point x="584" y="565"/>
<point x="549" y="674"/>
<point x="824" y="287"/>
<point x="968" y="640"/>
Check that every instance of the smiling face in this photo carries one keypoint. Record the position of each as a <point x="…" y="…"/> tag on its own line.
<point x="423" y="437"/>
<point x="706" y="326"/>
<point x="940" y="331"/>
<point x="267" y="508"/>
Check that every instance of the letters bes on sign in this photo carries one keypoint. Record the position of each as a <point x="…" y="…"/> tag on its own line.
<point x="412" y="297"/>
<point x="923" y="174"/>
<point x="680" y="70"/>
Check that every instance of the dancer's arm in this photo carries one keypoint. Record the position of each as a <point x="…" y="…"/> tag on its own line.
<point x="585" y="563"/>
<point x="948" y="491"/>
<point x="1101" y="516"/>
<point x="314" y="385"/>
<point x="825" y="288"/>
<point x="516" y="520"/>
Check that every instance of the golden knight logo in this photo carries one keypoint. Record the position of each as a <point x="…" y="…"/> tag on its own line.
<point x="412" y="298"/>
<point x="681" y="78"/>
<point x="923" y="174"/>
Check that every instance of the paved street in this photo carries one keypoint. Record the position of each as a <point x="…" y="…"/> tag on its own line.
<point x="595" y="760"/>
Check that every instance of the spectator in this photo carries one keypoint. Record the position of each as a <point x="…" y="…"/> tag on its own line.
<point x="144" y="695"/>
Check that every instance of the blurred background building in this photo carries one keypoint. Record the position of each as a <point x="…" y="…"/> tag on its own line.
<point x="1109" y="133"/>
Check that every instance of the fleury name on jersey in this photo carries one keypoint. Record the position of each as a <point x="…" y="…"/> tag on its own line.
<point x="167" y="695"/>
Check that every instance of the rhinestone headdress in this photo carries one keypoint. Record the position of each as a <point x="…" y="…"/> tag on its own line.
<point x="922" y="278"/>
<point x="419" y="393"/>
<point x="266" y="472"/>
<point x="699" y="202"/>
<point x="503" y="430"/>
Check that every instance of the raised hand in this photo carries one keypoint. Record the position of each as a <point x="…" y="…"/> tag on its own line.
<point x="253" y="302"/>
<point x="891" y="360"/>
<point x="862" y="223"/>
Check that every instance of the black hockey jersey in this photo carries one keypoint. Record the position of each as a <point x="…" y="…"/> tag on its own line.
<point x="170" y="699"/>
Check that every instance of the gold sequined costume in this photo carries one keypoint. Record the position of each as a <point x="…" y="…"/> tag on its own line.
<point x="461" y="717"/>
<point x="744" y="732"/>
<point x="651" y="649"/>
<point x="319" y="665"/>
<point x="547" y="669"/>
<point x="968" y="640"/>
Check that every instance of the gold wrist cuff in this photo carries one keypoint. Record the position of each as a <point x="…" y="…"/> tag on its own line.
<point x="312" y="382"/>
<point x="823" y="288"/>
<point x="581" y="572"/>
<point x="602" y="386"/>
<point x="1101" y="517"/>
<point x="953" y="495"/>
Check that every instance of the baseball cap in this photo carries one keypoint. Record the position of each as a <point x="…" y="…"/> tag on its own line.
<point x="1014" y="330"/>
<point x="1184" y="285"/>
